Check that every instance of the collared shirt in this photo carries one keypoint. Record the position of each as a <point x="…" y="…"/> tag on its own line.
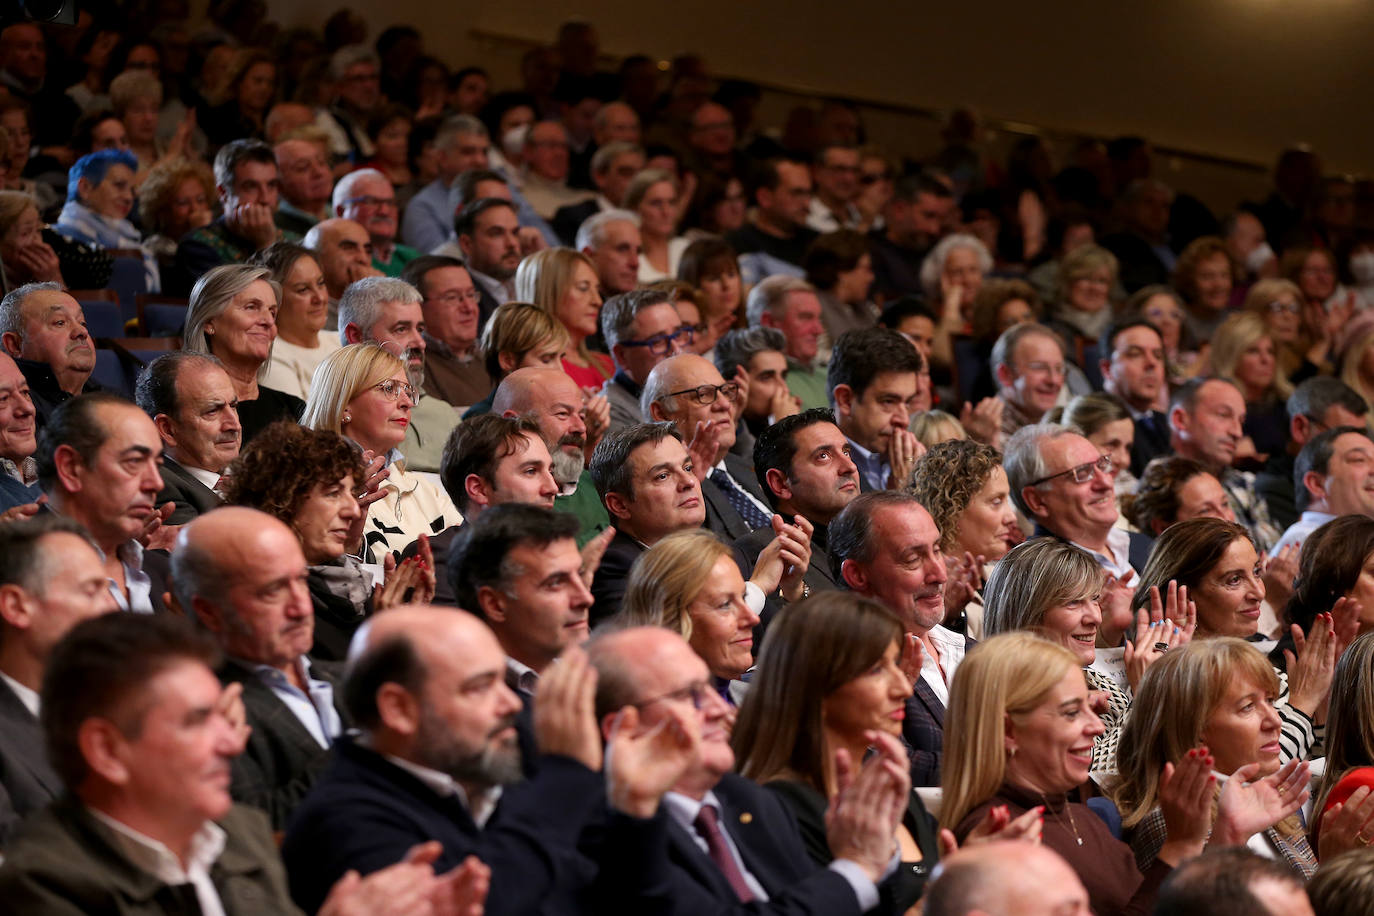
<point x="873" y="466"/>
<point x="938" y="673"/>
<point x="446" y="786"/>
<point x="209" y="478"/>
<point x="27" y="695"/>
<point x="157" y="860"/>
<point x="526" y="678"/>
<point x="136" y="581"/>
<point x="313" y="707"/>
<point x="1250" y="508"/>
<point x="761" y="506"/>
<point x="821" y="218"/>
<point x="1297" y="532"/>
<point x="25" y="471"/>
<point x="684" y="810"/>
<point x="1117" y="560"/>
<point x="501" y="292"/>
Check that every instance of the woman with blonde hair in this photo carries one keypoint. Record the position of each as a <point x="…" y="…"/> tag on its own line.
<point x="1245" y="352"/>
<point x="1304" y="333"/>
<point x="653" y="196"/>
<point x="1214" y="699"/>
<point x="1087" y="282"/>
<point x="233" y="317"/>
<point x="1019" y="734"/>
<point x="931" y="427"/>
<point x="563" y="283"/>
<point x="362" y="392"/>
<point x="518" y="335"/>
<point x="1107" y="424"/>
<point x="690" y="583"/>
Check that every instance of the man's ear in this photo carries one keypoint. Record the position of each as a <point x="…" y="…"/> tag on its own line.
<point x="398" y="709"/>
<point x="12" y="342"/>
<point x="1178" y="419"/>
<point x="223" y="193"/>
<point x="353" y="334"/>
<point x="165" y="429"/>
<point x="778" y="483"/>
<point x="492" y="604"/>
<point x="476" y="489"/>
<point x="1104" y="367"/>
<point x="1316" y="486"/>
<point x="207" y="614"/>
<point x="102" y="744"/>
<point x="656" y="412"/>
<point x="844" y="400"/>
<point x="69" y="466"/>
<point x="855" y="575"/>
<point x="1005" y="378"/>
<point x="465" y="243"/>
<point x="617" y="505"/>
<point x="1034" y="501"/>
<point x="14" y="607"/>
<point x="1300" y="428"/>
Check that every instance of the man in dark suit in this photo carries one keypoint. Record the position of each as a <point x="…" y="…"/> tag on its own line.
<point x="646" y="480"/>
<point x="50" y="579"/>
<point x="763" y="868"/>
<point x="690" y="392"/>
<point x="803" y="464"/>
<point x="1133" y="369"/>
<point x="193" y="404"/>
<point x="1062" y="483"/>
<point x="872" y="378"/>
<point x="884" y="545"/>
<point x="439" y="759"/>
<point x="241" y="573"/>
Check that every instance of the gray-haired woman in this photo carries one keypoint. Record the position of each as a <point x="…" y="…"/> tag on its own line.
<point x="233" y="316"/>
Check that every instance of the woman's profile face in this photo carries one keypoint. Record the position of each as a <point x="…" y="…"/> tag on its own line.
<point x="722" y="623"/>
<point x="323" y="521"/>
<point x="873" y="701"/>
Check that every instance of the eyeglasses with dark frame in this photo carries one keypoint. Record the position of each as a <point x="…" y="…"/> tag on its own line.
<point x="662" y="344"/>
<point x="1082" y="473"/>
<point x="705" y="395"/>
<point x="695" y="693"/>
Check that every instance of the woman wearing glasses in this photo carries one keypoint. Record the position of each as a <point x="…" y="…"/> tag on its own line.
<point x="1303" y="337"/>
<point x="233" y="317"/>
<point x="362" y="392"/>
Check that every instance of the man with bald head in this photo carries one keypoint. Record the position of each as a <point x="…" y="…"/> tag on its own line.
<point x="553" y="400"/>
<point x="689" y="392"/>
<point x="43" y="330"/>
<point x="98" y="465"/>
<point x="306" y="183"/>
<point x="18" y="438"/>
<point x="1006" y="878"/>
<point x="367" y="197"/>
<point x="241" y="573"/>
<point x="344" y="250"/>
<point x="438" y="760"/>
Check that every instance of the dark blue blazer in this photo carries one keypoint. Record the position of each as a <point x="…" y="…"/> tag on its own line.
<point x="13" y="493"/>
<point x="770" y="844"/>
<point x="364" y="813"/>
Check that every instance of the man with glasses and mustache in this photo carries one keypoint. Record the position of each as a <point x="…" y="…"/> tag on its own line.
<point x="438" y="759"/>
<point x="689" y="392"/>
<point x="241" y="574"/>
<point x="642" y="329"/>
<point x="1061" y="482"/>
<point x="388" y="311"/>
<point x="193" y="405"/>
<point x="451" y="303"/>
<point x="367" y="197"/>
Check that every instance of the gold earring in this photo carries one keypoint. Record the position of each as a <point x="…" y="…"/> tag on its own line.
<point x="347" y="418"/>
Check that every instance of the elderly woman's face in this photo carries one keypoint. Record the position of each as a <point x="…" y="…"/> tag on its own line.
<point x="22" y="233"/>
<point x="322" y="523"/>
<point x="1089" y="291"/>
<point x="244" y="331"/>
<point x="1283" y="315"/>
<point x="114" y="196"/>
<point x="1229" y="596"/>
<point x="722" y="624"/>
<point x="1053" y="742"/>
<point x="1212" y="276"/>
<point x="189" y="209"/>
<point x="962" y="269"/>
<point x="987" y="526"/>
<point x="140" y="121"/>
<point x="378" y="416"/>
<point x="873" y="701"/>
<point x="1164" y="313"/>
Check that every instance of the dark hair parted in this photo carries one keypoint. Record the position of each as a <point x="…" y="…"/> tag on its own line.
<point x="278" y="470"/>
<point x="850" y="534"/>
<point x="477" y="446"/>
<point x="1156" y="496"/>
<point x="1330" y="564"/>
<point x="610" y="465"/>
<point x="776" y="447"/>
<point x="480" y="555"/>
<point x="861" y="356"/>
<point x="1186" y="552"/>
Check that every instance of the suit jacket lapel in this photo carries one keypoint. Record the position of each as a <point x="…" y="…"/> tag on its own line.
<point x="930" y="701"/>
<point x="265" y="706"/>
<point x="690" y="856"/>
<point x="25" y="740"/>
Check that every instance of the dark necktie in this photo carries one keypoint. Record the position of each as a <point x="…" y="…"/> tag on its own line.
<point x="709" y="828"/>
<point x="739" y="500"/>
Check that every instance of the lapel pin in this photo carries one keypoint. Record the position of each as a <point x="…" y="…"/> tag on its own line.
<point x="746" y="818"/>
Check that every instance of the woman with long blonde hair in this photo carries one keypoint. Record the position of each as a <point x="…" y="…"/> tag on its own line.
<point x="1245" y="352"/>
<point x="563" y="282"/>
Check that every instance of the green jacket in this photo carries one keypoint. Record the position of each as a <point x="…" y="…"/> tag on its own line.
<point x="63" y="862"/>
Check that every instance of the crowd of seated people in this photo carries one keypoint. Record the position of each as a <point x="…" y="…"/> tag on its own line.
<point x="577" y="496"/>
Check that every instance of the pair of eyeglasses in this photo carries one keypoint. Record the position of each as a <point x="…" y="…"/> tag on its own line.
<point x="454" y="296"/>
<point x="1278" y="308"/>
<point x="662" y="344"/>
<point x="1081" y="474"/>
<point x="372" y="201"/>
<point x="695" y="692"/>
<point x="705" y="395"/>
<point x="392" y="390"/>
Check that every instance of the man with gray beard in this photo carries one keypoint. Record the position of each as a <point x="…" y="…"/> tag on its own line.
<point x="553" y="400"/>
<point x="437" y="757"/>
<point x="387" y="311"/>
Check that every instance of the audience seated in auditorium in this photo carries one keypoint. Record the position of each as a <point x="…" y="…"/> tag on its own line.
<point x="872" y="378"/>
<point x="640" y="329"/>
<point x="44" y="331"/>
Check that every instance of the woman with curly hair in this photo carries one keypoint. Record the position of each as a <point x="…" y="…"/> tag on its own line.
<point x="316" y="482"/>
<point x="962" y="485"/>
<point x="175" y="198"/>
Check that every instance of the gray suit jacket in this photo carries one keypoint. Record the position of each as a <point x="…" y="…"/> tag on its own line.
<point x="624" y="405"/>
<point x="190" y="495"/>
<point x="27" y="781"/>
<point x="721" y="517"/>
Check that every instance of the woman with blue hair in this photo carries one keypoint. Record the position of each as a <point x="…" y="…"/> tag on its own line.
<point x="100" y="194"/>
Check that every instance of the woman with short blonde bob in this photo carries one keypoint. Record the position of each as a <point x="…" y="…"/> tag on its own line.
<point x="563" y="283"/>
<point x="1245" y="352"/>
<point x="1213" y="699"/>
<point x="1019" y="731"/>
<point x="361" y="391"/>
<point x="518" y="335"/>
<point x="689" y="582"/>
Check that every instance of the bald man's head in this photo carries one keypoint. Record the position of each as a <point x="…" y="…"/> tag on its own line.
<point x="1006" y="878"/>
<point x="688" y="390"/>
<point x="344" y="250"/>
<point x="553" y="400"/>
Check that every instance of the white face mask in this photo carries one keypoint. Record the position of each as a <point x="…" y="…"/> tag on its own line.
<point x="1256" y="259"/>
<point x="1362" y="266"/>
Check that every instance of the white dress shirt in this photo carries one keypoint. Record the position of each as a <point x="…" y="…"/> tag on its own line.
<point x="156" y="859"/>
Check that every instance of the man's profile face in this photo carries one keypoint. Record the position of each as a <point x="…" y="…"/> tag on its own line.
<point x="668" y="675"/>
<point x="118" y="489"/>
<point x="1214" y="428"/>
<point x="74" y="588"/>
<point x="525" y="475"/>
<point x="266" y="613"/>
